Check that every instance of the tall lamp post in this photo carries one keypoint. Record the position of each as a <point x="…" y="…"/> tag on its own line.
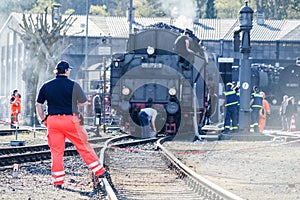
<point x="245" y="20"/>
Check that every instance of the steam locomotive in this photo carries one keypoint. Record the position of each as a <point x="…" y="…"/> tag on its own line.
<point x="151" y="69"/>
<point x="277" y="81"/>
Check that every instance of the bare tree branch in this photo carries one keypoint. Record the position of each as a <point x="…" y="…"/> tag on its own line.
<point x="45" y="45"/>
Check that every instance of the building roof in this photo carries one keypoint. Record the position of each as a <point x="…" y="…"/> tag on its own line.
<point x="204" y="29"/>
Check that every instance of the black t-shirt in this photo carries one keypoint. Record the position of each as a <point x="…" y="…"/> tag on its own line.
<point x="62" y="95"/>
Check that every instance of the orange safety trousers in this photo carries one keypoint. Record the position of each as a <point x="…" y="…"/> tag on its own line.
<point x="61" y="127"/>
<point x="263" y="115"/>
<point x="262" y="122"/>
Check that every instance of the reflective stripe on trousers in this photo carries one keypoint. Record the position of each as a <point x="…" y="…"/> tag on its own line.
<point x="255" y="116"/>
<point x="231" y="117"/>
<point x="58" y="177"/>
<point x="61" y="127"/>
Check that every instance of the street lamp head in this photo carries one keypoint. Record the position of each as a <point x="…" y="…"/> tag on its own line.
<point x="56" y="15"/>
<point x="246" y="17"/>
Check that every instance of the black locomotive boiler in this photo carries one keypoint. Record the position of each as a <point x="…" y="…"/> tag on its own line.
<point x="151" y="68"/>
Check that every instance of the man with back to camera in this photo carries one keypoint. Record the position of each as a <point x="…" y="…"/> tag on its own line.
<point x="231" y="111"/>
<point x="63" y="97"/>
<point x="255" y="104"/>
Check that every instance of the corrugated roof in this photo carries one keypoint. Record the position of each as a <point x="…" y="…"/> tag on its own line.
<point x="119" y="26"/>
<point x="213" y="29"/>
<point x="78" y="27"/>
<point x="204" y="29"/>
<point x="293" y="35"/>
<point x="268" y="31"/>
<point x="291" y="31"/>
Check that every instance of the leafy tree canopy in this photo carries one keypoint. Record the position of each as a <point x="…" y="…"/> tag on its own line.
<point x="273" y="9"/>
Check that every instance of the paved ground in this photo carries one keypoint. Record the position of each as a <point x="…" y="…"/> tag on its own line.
<point x="250" y="169"/>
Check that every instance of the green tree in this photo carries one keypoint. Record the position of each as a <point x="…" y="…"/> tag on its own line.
<point x="273" y="9"/>
<point x="228" y="8"/>
<point x="99" y="10"/>
<point x="148" y="8"/>
<point x="41" y="5"/>
<point x="201" y="8"/>
<point x="210" y="11"/>
<point x="278" y="9"/>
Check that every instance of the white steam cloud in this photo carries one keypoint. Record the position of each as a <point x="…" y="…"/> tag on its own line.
<point x="183" y="11"/>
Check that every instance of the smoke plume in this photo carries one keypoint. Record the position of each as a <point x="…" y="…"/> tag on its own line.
<point x="183" y="12"/>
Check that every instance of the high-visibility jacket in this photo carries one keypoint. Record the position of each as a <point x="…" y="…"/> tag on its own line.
<point x="257" y="100"/>
<point x="15" y="103"/>
<point x="231" y="97"/>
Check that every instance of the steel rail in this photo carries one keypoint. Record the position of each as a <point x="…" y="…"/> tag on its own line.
<point x="111" y="195"/>
<point x="10" y="156"/>
<point x="206" y="186"/>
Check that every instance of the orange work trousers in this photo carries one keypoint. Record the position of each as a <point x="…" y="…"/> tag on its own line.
<point x="61" y="127"/>
<point x="262" y="122"/>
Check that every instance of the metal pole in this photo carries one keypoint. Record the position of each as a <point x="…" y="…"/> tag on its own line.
<point x="245" y="18"/>
<point x="85" y="87"/>
<point x="245" y="81"/>
<point x="195" y="121"/>
<point x="245" y="92"/>
<point x="34" y="134"/>
<point x="130" y="16"/>
<point x="16" y="125"/>
<point x="104" y="94"/>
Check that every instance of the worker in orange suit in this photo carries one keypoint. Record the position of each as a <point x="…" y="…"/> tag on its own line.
<point x="63" y="97"/>
<point x="15" y="105"/>
<point x="264" y="112"/>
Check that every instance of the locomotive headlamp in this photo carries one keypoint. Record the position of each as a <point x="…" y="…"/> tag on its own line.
<point x="150" y="50"/>
<point x="125" y="91"/>
<point x="172" y="91"/>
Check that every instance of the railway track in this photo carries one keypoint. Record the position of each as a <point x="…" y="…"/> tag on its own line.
<point x="144" y="169"/>
<point x="285" y="136"/>
<point x="11" y="155"/>
<point x="13" y="131"/>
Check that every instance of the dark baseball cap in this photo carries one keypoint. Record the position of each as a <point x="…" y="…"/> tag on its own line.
<point x="62" y="65"/>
